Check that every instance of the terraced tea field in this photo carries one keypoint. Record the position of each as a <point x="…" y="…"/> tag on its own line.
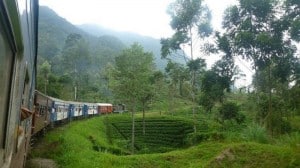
<point x="161" y="134"/>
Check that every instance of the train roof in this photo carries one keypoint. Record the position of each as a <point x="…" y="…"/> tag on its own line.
<point x="104" y="104"/>
<point x="73" y="102"/>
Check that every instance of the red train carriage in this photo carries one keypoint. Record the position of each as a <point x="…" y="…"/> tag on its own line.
<point x="104" y="108"/>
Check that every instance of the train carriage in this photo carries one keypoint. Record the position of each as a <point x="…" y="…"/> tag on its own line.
<point x="78" y="109"/>
<point x="41" y="117"/>
<point x="18" y="48"/>
<point x="91" y="108"/>
<point x="119" y="108"/>
<point x="104" y="108"/>
<point x="59" y="111"/>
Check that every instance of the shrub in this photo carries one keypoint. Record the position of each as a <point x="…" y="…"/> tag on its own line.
<point x="231" y="111"/>
<point x="255" y="133"/>
<point x="195" y="138"/>
<point x="292" y="140"/>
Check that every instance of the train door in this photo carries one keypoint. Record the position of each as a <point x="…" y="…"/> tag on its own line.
<point x="71" y="111"/>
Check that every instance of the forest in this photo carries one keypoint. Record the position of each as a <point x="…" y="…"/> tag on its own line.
<point x="75" y="65"/>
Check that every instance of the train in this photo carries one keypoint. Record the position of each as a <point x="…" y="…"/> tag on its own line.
<point x="24" y="111"/>
<point x="50" y="111"/>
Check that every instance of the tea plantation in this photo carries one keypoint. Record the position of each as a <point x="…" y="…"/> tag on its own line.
<point x="161" y="134"/>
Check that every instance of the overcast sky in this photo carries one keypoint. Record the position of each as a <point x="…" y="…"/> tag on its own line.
<point x="146" y="17"/>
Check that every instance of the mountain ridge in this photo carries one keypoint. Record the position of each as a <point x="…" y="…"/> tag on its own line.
<point x="150" y="44"/>
<point x="53" y="31"/>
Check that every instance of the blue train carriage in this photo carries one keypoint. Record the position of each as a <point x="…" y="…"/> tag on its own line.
<point x="18" y="48"/>
<point x="60" y="111"/>
<point x="41" y="117"/>
<point x="91" y="109"/>
<point x="76" y="110"/>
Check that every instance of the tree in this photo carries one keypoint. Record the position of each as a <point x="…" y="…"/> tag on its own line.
<point x="212" y="89"/>
<point x="160" y="89"/>
<point x="75" y="60"/>
<point x="196" y="68"/>
<point x="191" y="21"/>
<point x="45" y="70"/>
<point x="177" y="74"/>
<point x="256" y="32"/>
<point x="131" y="79"/>
<point x="292" y="18"/>
<point x="48" y="82"/>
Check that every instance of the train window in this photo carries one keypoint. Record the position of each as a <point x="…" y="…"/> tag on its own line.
<point x="42" y="111"/>
<point x="6" y="62"/>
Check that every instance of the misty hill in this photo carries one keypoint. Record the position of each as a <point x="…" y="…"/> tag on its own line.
<point x="102" y="46"/>
<point x="150" y="44"/>
<point x="53" y="31"/>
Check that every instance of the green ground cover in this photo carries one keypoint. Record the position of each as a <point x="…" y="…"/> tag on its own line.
<point x="97" y="143"/>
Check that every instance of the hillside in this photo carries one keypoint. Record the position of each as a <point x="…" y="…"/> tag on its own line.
<point x="150" y="44"/>
<point x="99" y="47"/>
<point x="96" y="53"/>
<point x="53" y="31"/>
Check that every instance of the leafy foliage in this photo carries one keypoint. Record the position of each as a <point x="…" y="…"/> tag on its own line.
<point x="231" y="111"/>
<point x="256" y="34"/>
<point x="132" y="74"/>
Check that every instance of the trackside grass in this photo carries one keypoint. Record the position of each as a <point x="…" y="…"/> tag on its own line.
<point x="95" y="143"/>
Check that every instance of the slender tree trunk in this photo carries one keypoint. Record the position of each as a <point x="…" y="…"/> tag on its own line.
<point x="270" y="113"/>
<point x="45" y="87"/>
<point x="269" y="117"/>
<point x="171" y="97"/>
<point x="133" y="128"/>
<point x="75" y="92"/>
<point x="144" y="131"/>
<point x="193" y="81"/>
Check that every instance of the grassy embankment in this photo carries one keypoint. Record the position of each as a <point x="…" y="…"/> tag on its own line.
<point x="105" y="142"/>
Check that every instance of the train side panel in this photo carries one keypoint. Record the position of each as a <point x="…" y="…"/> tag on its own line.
<point x="41" y="117"/>
<point x="71" y="111"/>
<point x="78" y="109"/>
<point x="18" y="39"/>
<point x="91" y="108"/>
<point x="119" y="108"/>
<point x="61" y="109"/>
<point x="104" y="108"/>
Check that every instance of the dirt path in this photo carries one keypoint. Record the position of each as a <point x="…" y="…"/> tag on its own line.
<point x="41" y="163"/>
